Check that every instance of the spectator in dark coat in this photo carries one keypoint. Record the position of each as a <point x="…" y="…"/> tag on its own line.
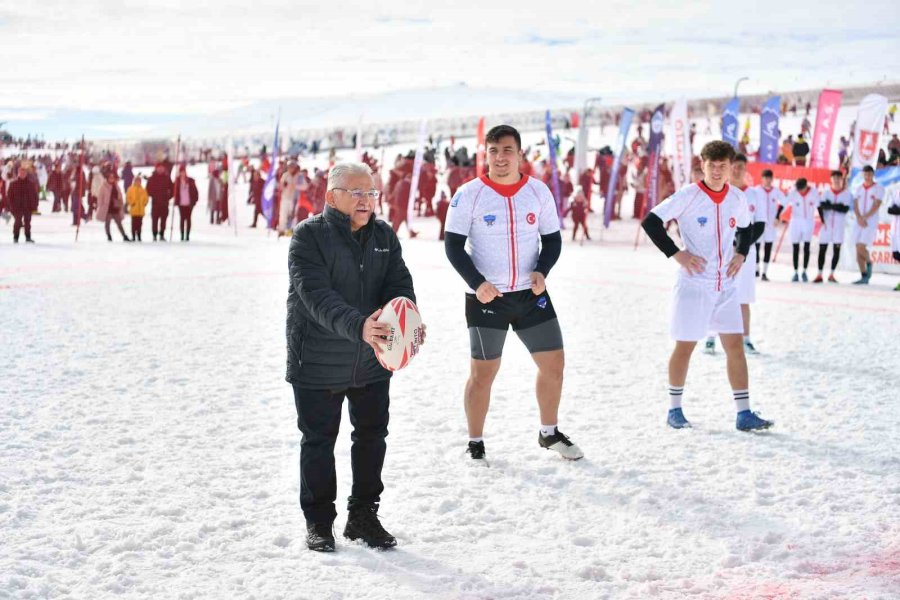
<point x="800" y="151"/>
<point x="186" y="196"/>
<point x="160" y="190"/>
<point x="257" y="184"/>
<point x="344" y="265"/>
<point x="22" y="197"/>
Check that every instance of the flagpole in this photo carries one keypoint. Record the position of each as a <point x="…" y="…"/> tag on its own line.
<point x="79" y="184"/>
<point x="175" y="191"/>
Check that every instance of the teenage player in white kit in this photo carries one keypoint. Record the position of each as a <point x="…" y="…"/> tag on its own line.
<point x="804" y="203"/>
<point x="866" y="202"/>
<point x="511" y="224"/>
<point x="746" y="279"/>
<point x="836" y="203"/>
<point x="712" y="216"/>
<point x="894" y="211"/>
<point x="771" y="200"/>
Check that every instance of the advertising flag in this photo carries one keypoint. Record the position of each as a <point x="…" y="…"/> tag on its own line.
<point x="826" y="118"/>
<point x="681" y="138"/>
<point x="581" y="146"/>
<point x="654" y="147"/>
<point x="624" y="126"/>
<point x="769" y="134"/>
<point x="730" y="122"/>
<point x="479" y="151"/>
<point x="268" y="195"/>
<point x="554" y="172"/>
<point x="869" y="125"/>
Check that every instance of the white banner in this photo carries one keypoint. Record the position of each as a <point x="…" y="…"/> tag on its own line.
<point x="681" y="144"/>
<point x="417" y="168"/>
<point x="869" y="125"/>
<point x="581" y="147"/>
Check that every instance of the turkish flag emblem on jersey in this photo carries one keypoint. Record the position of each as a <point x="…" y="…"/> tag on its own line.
<point x="868" y="144"/>
<point x="530" y="218"/>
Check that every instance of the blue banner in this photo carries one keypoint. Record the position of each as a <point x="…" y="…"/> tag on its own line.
<point x="654" y="147"/>
<point x="886" y="177"/>
<point x="554" y="172"/>
<point x="769" y="134"/>
<point x="730" y="122"/>
<point x="624" y="126"/>
<point x="268" y="196"/>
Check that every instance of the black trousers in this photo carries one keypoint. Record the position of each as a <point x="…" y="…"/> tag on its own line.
<point x="158" y="216"/>
<point x="22" y="221"/>
<point x="185" y="223"/>
<point x="319" y="419"/>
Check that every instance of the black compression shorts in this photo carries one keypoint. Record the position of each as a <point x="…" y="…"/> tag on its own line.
<point x="532" y="318"/>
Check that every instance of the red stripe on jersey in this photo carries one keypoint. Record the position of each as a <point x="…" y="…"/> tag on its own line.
<point x="514" y="275"/>
<point x="719" y="249"/>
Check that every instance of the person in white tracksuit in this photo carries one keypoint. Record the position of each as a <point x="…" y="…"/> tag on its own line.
<point x="835" y="205"/>
<point x="804" y="203"/>
<point x="866" y="202"/>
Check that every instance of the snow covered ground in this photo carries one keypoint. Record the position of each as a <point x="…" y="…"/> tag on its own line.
<point x="148" y="442"/>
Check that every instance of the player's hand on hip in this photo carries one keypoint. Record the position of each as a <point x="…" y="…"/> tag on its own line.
<point x="538" y="284"/>
<point x="486" y="292"/>
<point x="862" y="222"/>
<point x="375" y="333"/>
<point x="694" y="265"/>
<point x="735" y="264"/>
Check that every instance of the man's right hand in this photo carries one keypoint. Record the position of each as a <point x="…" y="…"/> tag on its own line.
<point x="486" y="292"/>
<point x="861" y="221"/>
<point x="694" y="265"/>
<point x="375" y="333"/>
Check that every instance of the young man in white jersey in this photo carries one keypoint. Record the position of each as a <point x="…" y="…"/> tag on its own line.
<point x="712" y="219"/>
<point x="746" y="279"/>
<point x="804" y="203"/>
<point x="866" y="202"/>
<point x="511" y="224"/>
<point x="770" y="201"/>
<point x="894" y="211"/>
<point x="833" y="210"/>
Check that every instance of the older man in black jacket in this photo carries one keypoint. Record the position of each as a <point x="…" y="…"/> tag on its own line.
<point x="344" y="266"/>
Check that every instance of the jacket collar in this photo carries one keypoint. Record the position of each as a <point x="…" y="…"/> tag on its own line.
<point x="342" y="221"/>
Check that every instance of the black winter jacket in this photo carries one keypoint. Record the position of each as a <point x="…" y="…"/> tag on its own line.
<point x="335" y="284"/>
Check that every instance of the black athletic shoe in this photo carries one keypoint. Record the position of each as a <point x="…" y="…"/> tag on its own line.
<point x="559" y="442"/>
<point x="363" y="524"/>
<point x="320" y="537"/>
<point x="476" y="449"/>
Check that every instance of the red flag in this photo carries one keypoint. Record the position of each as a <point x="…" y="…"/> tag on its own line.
<point x="479" y="154"/>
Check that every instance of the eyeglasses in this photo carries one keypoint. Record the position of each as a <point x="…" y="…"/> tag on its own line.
<point x="360" y="194"/>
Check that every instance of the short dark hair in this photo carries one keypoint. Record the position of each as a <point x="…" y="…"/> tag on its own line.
<point x="767" y="173"/>
<point x="717" y="150"/>
<point x="837" y="174"/>
<point x="801" y="183"/>
<point x="868" y="169"/>
<point x="739" y="157"/>
<point x="501" y="131"/>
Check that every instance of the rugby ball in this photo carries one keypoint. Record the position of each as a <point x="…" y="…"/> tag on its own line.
<point x="406" y="333"/>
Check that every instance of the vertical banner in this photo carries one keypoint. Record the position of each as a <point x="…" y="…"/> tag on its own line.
<point x="553" y="168"/>
<point x="730" y="122"/>
<point x="581" y="146"/>
<point x="359" y="151"/>
<point x="268" y="195"/>
<point x="624" y="126"/>
<point x="479" y="150"/>
<point x="681" y="167"/>
<point x="654" y="150"/>
<point x="769" y="134"/>
<point x="175" y="190"/>
<point x="826" y="119"/>
<point x="417" y="169"/>
<point x="869" y="125"/>
<point x="79" y="190"/>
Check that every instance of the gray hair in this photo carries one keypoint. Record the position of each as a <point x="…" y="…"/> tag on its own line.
<point x="342" y="170"/>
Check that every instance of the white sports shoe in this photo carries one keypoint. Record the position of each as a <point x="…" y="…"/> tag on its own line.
<point x="559" y="442"/>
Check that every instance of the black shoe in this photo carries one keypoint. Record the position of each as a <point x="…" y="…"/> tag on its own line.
<point x="29" y="241"/>
<point x="559" y="442"/>
<point x="476" y="449"/>
<point x="363" y="524"/>
<point x="320" y="537"/>
<point x="162" y="238"/>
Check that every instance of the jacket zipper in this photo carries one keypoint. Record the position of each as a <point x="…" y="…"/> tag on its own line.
<point x="361" y="296"/>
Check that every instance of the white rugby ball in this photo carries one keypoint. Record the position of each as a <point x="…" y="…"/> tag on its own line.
<point x="406" y="333"/>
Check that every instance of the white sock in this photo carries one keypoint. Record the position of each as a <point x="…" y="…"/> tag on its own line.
<point x="478" y="439"/>
<point x="675" y="393"/>
<point x="742" y="400"/>
<point x="766" y="268"/>
<point x="548" y="430"/>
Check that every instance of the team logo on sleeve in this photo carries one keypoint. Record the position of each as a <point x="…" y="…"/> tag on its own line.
<point x="489" y="220"/>
<point x="455" y="199"/>
<point x="732" y="222"/>
<point x="531" y="218"/>
<point x="702" y="221"/>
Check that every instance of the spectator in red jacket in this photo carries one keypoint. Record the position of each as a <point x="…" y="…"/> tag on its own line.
<point x="586" y="181"/>
<point x="22" y="197"/>
<point x="257" y="184"/>
<point x="579" y="212"/>
<point x="160" y="190"/>
<point x="400" y="204"/>
<point x="186" y="196"/>
<point x="443" y="206"/>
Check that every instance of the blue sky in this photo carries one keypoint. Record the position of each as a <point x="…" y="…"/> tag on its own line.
<point x="133" y="68"/>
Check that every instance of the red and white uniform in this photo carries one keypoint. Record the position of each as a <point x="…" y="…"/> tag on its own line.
<point x="504" y="225"/>
<point x="832" y="231"/>
<point x="804" y="208"/>
<point x="865" y="198"/>
<point x="707" y="220"/>
<point x="767" y="203"/>
<point x="746" y="277"/>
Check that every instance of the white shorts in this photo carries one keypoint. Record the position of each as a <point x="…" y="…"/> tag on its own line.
<point x="865" y="235"/>
<point x="770" y="233"/>
<point x="828" y="235"/>
<point x="800" y="231"/>
<point x="746" y="280"/>
<point x="698" y="311"/>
